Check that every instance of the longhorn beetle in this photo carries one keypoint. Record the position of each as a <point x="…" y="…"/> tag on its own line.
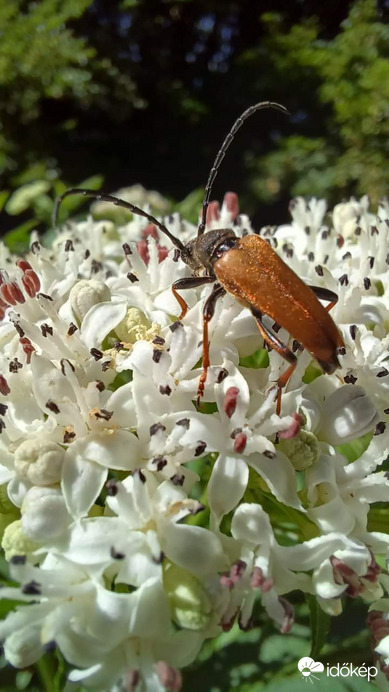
<point x="250" y="270"/>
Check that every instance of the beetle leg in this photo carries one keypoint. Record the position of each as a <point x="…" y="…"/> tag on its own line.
<point x="325" y="294"/>
<point x="274" y="342"/>
<point x="208" y="312"/>
<point x="188" y="282"/>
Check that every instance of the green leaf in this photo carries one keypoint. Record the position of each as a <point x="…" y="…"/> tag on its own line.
<point x="354" y="449"/>
<point x="71" y="203"/>
<point x="312" y="372"/>
<point x="3" y="198"/>
<point x="23" y="679"/>
<point x="93" y="183"/>
<point x="259" y="359"/>
<point x="378" y="519"/>
<point x="18" y="240"/>
<point x="320" y="624"/>
<point x="7" y="606"/>
<point x="120" y="379"/>
<point x="43" y="208"/>
<point x="22" y="198"/>
<point x="190" y="206"/>
<point x="36" y="171"/>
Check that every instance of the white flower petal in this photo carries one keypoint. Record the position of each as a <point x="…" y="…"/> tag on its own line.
<point x="193" y="548"/>
<point x="121" y="403"/>
<point x="90" y="541"/>
<point x="100" y="320"/>
<point x="280" y="476"/>
<point x="250" y="523"/>
<point x="44" y="514"/>
<point x="227" y="484"/>
<point x="333" y="516"/>
<point x="348" y="413"/>
<point x="82" y="482"/>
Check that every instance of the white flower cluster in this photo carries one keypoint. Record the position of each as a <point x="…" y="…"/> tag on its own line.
<point x="127" y="561"/>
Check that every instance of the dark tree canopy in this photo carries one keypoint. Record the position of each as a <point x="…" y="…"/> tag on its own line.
<point x="144" y="91"/>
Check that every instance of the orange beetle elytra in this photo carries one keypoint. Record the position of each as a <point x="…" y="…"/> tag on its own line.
<point x="250" y="270"/>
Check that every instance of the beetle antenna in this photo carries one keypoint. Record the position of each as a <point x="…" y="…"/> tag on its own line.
<point x="222" y="152"/>
<point x="101" y="196"/>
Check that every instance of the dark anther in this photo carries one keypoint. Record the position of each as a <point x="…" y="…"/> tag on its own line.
<point x="68" y="436"/>
<point x="52" y="406"/>
<point x="131" y="277"/>
<point x="97" y="355"/>
<point x="222" y="374"/>
<point x="32" y="588"/>
<point x="104" y="414"/>
<point x="157" y="353"/>
<point x="175" y="325"/>
<point x="160" y="462"/>
<point x="46" y="329"/>
<point x="96" y="266"/>
<point x="353" y="331"/>
<point x="379" y="428"/>
<point x="366" y="283"/>
<point x="178" y="479"/>
<point x="15" y="365"/>
<point x="155" y="427"/>
<point x="112" y="487"/>
<point x="201" y="446"/>
<point x="185" y="422"/>
<point x="116" y="555"/>
<point x="66" y="361"/>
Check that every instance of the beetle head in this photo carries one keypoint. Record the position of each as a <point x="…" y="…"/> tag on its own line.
<point x="202" y="252"/>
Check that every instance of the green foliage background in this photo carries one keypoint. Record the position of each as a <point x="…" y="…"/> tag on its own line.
<point x="116" y="92"/>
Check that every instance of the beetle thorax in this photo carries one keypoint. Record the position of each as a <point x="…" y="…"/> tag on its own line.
<point x="201" y="253"/>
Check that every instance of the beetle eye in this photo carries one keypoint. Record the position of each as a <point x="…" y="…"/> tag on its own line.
<point x="224" y="246"/>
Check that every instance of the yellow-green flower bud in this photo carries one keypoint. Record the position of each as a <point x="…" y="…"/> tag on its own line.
<point x="302" y="450"/>
<point x="136" y="327"/>
<point x="6" y="519"/>
<point x="189" y="602"/>
<point x="15" y="542"/>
